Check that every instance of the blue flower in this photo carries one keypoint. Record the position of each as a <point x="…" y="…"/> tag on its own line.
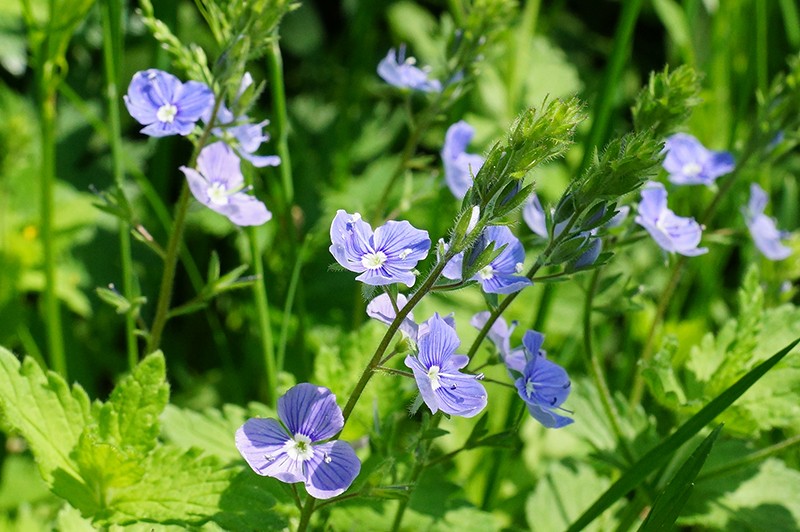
<point x="674" y="234"/>
<point x="500" y="335"/>
<point x="762" y="228"/>
<point x="292" y="449"/>
<point x="501" y="275"/>
<point x="544" y="385"/>
<point x="534" y="216"/>
<point x="396" y="70"/>
<point x="689" y="163"/>
<point x="436" y="370"/>
<point x="245" y="137"/>
<point x="459" y="166"/>
<point x="219" y="185"/>
<point x="164" y="105"/>
<point x="384" y="257"/>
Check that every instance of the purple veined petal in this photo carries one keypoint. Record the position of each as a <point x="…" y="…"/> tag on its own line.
<point x="516" y="360"/>
<point x="261" y="161"/>
<point x="218" y="163"/>
<point x="198" y="185"/>
<point x="504" y="284"/>
<point x="402" y="243"/>
<point x="332" y="469"/>
<point x="351" y="239"/>
<point x="452" y="270"/>
<point x="386" y="275"/>
<point x="460" y="395"/>
<point x="532" y="341"/>
<point x="244" y="210"/>
<point x="767" y="237"/>
<point x="654" y="201"/>
<point x="544" y="383"/>
<point x="460" y="171"/>
<point x="438" y="344"/>
<point x="423" y="382"/>
<point x="161" y="129"/>
<point x="249" y="136"/>
<point x="424" y="329"/>
<point x="261" y="442"/>
<point x="533" y="214"/>
<point x="192" y="100"/>
<point x="311" y="411"/>
<point x="548" y="417"/>
<point x="381" y="309"/>
<point x="499" y="333"/>
<point x="455" y="363"/>
<point x="512" y="256"/>
<point x="688" y="162"/>
<point x="719" y="164"/>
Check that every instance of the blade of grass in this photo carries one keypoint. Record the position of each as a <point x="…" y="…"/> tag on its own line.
<point x="669" y="503"/>
<point x="657" y="456"/>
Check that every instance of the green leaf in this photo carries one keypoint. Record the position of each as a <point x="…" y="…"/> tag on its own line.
<point x="669" y="503"/>
<point x="657" y="456"/>
<point x="211" y="430"/>
<point x="252" y="503"/>
<point x="45" y="411"/>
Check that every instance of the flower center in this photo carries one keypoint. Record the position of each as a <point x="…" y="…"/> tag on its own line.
<point x="299" y="448"/>
<point x="373" y="261"/>
<point x="433" y="376"/>
<point x="486" y="273"/>
<point x="529" y="388"/>
<point x="692" y="169"/>
<point x="218" y="194"/>
<point x="166" y="113"/>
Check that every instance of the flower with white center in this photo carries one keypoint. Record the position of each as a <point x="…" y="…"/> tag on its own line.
<point x="294" y="448"/>
<point x="762" y="228"/>
<point x="219" y="185"/>
<point x="387" y="255"/>
<point x="396" y="70"/>
<point x="437" y="371"/>
<point x="165" y="106"/>
<point x="688" y="162"/>
<point x="675" y="234"/>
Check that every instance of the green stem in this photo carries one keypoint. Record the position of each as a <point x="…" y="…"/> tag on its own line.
<point x="112" y="21"/>
<point x="287" y="309"/>
<point x="281" y="120"/>
<point x="305" y="514"/>
<point x="751" y="458"/>
<point x="605" y="101"/>
<point x="55" y="339"/>
<point x="596" y="370"/>
<point x="264" y="326"/>
<point x="419" y="467"/>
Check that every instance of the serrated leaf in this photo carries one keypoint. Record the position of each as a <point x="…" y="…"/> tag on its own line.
<point x="669" y="503"/>
<point x="130" y="417"/>
<point x="45" y="411"/>
<point x="177" y="486"/>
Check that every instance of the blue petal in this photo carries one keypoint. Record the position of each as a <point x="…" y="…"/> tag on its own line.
<point x="548" y="417"/>
<point x="311" y="411"/>
<point x="533" y="214"/>
<point x="423" y="382"/>
<point x="332" y="469"/>
<point x="460" y="395"/>
<point x="403" y="244"/>
<point x="218" y="163"/>
<point x="244" y="210"/>
<point x="350" y="240"/>
<point x="261" y="443"/>
<point x="192" y="100"/>
<point x="440" y="342"/>
<point x="381" y="309"/>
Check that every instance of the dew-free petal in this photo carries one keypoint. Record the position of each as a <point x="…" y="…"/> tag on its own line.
<point x="311" y="411"/>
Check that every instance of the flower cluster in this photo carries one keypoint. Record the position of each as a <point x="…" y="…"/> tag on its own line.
<point x="295" y="449"/>
<point x="166" y="106"/>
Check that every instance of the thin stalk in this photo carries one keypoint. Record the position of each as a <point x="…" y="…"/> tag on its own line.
<point x="281" y="120"/>
<point x="287" y="309"/>
<point x="604" y="103"/>
<point x="52" y="310"/>
<point x="264" y="326"/>
<point x="305" y="514"/>
<point x="596" y="370"/>
<point x="513" y="412"/>
<point x="751" y="458"/>
<point x="112" y="22"/>
<point x="174" y="243"/>
<point x="419" y="467"/>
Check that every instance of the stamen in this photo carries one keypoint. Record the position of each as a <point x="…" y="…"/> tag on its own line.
<point x="486" y="273"/>
<point x="166" y="113"/>
<point x="373" y="261"/>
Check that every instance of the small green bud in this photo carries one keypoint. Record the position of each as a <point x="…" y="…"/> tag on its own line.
<point x="667" y="101"/>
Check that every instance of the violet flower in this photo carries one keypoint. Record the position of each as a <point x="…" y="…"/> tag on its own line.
<point x="544" y="385"/>
<point x="762" y="228"/>
<point x="396" y="70"/>
<point x="436" y="370"/>
<point x="675" y="234"/>
<point x="501" y="275"/>
<point x="219" y="185"/>
<point x="690" y="163"/>
<point x="294" y="448"/>
<point x="500" y="335"/>
<point x="389" y="255"/>
<point x="459" y="166"/>
<point x="164" y="105"/>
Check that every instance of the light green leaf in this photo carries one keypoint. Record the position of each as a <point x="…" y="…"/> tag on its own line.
<point x="211" y="430"/>
<point x="45" y="411"/>
<point x="252" y="503"/>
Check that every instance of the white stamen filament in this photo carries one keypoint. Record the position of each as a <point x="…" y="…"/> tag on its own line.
<point x="373" y="261"/>
<point x="518" y="267"/>
<point x="486" y="273"/>
<point x="692" y="169"/>
<point x="166" y="113"/>
<point x="433" y="376"/>
<point x="299" y="448"/>
<point x="405" y="253"/>
<point x="217" y="193"/>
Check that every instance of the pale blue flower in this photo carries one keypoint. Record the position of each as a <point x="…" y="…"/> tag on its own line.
<point x="389" y="255"/>
<point x="690" y="163"/>
<point x="437" y="371"/>
<point x="294" y="449"/>
<point x="163" y="104"/>
<point x="459" y="166"/>
<point x="675" y="234"/>
<point x="396" y="70"/>
<point x="219" y="185"/>
<point x="500" y="335"/>
<point x="762" y="228"/>
<point x="544" y="385"/>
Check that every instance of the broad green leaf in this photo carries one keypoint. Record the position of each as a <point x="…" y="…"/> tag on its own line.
<point x="176" y="486"/>
<point x="562" y="493"/>
<point x="211" y="430"/>
<point x="45" y="411"/>
<point x="657" y="456"/>
<point x="252" y="503"/>
<point x="69" y="518"/>
<point x="130" y="417"/>
<point x="669" y="503"/>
